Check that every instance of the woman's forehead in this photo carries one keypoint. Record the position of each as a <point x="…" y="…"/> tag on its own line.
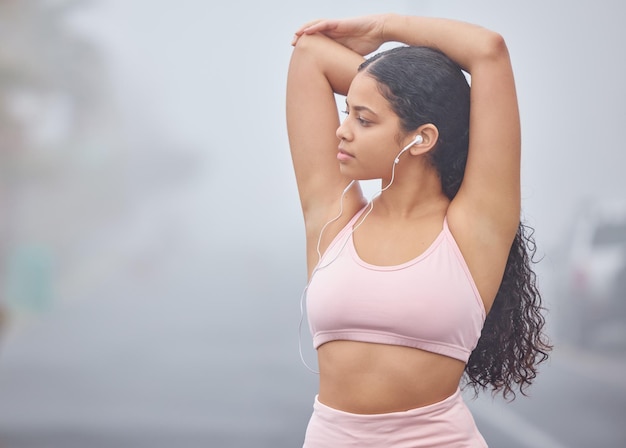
<point x="364" y="92"/>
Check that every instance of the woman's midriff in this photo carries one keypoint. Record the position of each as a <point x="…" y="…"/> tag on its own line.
<point x="365" y="378"/>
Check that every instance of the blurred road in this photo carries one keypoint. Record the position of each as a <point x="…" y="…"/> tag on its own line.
<point x="162" y="342"/>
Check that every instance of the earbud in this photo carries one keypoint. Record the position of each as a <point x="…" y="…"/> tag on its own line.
<point x="416" y="141"/>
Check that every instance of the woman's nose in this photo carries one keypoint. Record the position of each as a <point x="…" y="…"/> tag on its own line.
<point x="343" y="133"/>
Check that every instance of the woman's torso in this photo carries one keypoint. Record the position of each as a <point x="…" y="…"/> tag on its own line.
<point x="409" y="275"/>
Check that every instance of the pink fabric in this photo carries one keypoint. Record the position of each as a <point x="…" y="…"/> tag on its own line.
<point x="447" y="423"/>
<point x="430" y="303"/>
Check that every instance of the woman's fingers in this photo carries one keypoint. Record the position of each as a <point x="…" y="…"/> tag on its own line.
<point x="362" y="34"/>
<point x="304" y="29"/>
<point x="315" y="26"/>
<point x="320" y="26"/>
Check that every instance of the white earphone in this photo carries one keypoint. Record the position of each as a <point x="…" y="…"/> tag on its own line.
<point x="416" y="141"/>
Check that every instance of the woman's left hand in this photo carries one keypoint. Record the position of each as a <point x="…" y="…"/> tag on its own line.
<point x="360" y="34"/>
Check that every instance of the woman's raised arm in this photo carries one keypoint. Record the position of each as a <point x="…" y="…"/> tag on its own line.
<point x="491" y="186"/>
<point x="319" y="68"/>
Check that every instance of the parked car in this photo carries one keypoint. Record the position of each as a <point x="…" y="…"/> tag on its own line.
<point x="592" y="285"/>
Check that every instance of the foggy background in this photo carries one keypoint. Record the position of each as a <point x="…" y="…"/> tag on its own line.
<point x="151" y="242"/>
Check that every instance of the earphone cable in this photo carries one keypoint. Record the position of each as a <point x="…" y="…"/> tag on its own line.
<point x="318" y="266"/>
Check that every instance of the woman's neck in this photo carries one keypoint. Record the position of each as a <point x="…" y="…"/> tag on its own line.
<point x="413" y="193"/>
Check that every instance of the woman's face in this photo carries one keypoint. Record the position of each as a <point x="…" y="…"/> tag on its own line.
<point x="369" y="134"/>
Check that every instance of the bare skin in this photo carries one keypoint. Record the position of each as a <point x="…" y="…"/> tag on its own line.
<point x="483" y="217"/>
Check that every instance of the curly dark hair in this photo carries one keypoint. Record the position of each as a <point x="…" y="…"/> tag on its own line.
<point x="424" y="86"/>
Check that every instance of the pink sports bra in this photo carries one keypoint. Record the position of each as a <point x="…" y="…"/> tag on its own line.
<point x="430" y="303"/>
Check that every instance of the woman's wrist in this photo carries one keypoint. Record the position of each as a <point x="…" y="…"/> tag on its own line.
<point x="394" y="28"/>
<point x="387" y="26"/>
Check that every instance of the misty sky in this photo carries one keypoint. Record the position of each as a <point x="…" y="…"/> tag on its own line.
<point x="211" y="76"/>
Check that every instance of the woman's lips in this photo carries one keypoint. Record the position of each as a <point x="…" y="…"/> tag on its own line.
<point x="344" y="156"/>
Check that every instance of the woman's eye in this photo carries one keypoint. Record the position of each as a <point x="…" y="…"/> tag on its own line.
<point x="362" y="121"/>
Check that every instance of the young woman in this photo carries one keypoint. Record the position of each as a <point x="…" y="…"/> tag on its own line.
<point x="431" y="279"/>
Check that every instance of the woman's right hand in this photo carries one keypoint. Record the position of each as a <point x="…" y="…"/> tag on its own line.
<point x="363" y="35"/>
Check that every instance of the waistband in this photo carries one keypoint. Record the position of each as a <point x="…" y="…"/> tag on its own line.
<point x="428" y="411"/>
<point x="445" y="424"/>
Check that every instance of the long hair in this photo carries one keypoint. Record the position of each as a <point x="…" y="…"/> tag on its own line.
<point x="425" y="86"/>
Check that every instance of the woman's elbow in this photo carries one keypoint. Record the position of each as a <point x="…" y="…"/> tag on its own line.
<point x="494" y="46"/>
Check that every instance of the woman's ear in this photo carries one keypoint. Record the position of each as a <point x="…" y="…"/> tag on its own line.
<point x="429" y="134"/>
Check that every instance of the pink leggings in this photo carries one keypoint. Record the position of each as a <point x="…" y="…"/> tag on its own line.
<point x="447" y="423"/>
